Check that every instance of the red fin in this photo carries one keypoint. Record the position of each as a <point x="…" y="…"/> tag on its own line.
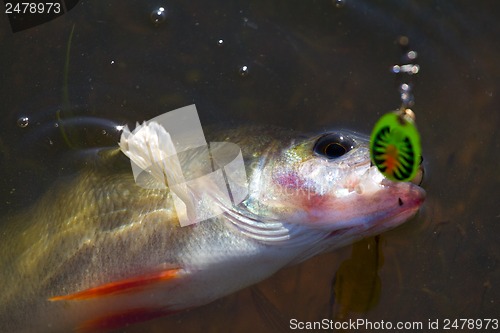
<point x="120" y="319"/>
<point x="122" y="286"/>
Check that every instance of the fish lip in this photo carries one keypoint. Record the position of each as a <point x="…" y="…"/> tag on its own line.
<point x="390" y="219"/>
<point x="412" y="197"/>
<point x="412" y="192"/>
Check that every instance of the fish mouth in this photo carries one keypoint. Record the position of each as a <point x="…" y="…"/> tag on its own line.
<point x="407" y="199"/>
<point x="399" y="203"/>
<point x="381" y="204"/>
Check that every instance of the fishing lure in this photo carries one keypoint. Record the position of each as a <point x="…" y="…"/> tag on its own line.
<point x="395" y="145"/>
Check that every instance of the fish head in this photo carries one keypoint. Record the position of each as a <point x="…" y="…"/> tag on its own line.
<point x="327" y="183"/>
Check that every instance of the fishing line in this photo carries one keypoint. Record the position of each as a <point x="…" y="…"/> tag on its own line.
<point x="66" y="106"/>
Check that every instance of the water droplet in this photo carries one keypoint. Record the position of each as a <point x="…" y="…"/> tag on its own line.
<point x="412" y="55"/>
<point x="403" y="41"/>
<point x="339" y="3"/>
<point x="220" y="42"/>
<point x="23" y="122"/>
<point x="244" y="70"/>
<point x="158" y="16"/>
<point x="249" y="24"/>
<point x="408" y="69"/>
<point x="407" y="99"/>
<point x="405" y="87"/>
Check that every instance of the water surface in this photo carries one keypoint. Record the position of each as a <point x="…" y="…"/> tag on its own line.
<point x="312" y="66"/>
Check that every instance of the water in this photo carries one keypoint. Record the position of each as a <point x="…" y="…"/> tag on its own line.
<point x="311" y="66"/>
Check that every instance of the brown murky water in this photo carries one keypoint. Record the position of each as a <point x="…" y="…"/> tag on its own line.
<point x="311" y="65"/>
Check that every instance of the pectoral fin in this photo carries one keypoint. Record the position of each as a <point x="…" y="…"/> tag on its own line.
<point x="130" y="285"/>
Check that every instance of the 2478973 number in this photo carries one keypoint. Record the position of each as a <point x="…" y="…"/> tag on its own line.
<point x="476" y="324"/>
<point x="33" y="8"/>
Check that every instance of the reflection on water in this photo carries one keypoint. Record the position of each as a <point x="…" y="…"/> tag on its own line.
<point x="308" y="65"/>
<point x="356" y="286"/>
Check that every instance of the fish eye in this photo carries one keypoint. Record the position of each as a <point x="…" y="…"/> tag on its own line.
<point x="333" y="145"/>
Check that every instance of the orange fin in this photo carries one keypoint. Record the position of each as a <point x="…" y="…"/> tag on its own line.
<point x="121" y="319"/>
<point x="122" y="286"/>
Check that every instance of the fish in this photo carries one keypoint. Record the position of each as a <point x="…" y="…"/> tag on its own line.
<point x="97" y="252"/>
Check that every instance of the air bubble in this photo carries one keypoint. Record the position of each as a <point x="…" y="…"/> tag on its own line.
<point x="23" y="122"/>
<point x="244" y="70"/>
<point x="339" y="3"/>
<point x="158" y="16"/>
<point x="220" y="42"/>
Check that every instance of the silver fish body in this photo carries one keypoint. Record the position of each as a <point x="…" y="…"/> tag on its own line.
<point x="101" y="227"/>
